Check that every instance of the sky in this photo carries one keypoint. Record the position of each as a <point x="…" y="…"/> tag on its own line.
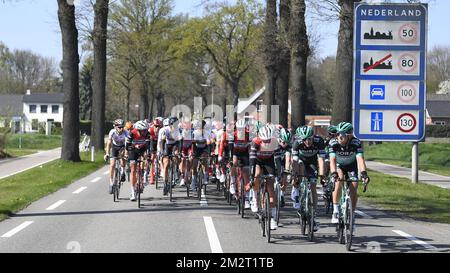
<point x="33" y="25"/>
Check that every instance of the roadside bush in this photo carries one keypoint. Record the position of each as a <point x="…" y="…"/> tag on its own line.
<point x="438" y="130"/>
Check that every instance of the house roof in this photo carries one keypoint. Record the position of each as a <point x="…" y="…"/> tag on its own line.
<point x="44" y="98"/>
<point x="439" y="108"/>
<point x="11" y="105"/>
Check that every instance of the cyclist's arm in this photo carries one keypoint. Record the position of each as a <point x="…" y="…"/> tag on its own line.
<point x="361" y="163"/>
<point x="278" y="164"/>
<point x="108" y="146"/>
<point x="321" y="156"/>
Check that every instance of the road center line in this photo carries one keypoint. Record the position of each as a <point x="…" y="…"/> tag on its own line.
<point x="95" y="179"/>
<point x="79" y="190"/>
<point x="414" y="239"/>
<point x="212" y="235"/>
<point x="203" y="202"/>
<point x="57" y="204"/>
<point x="17" y="229"/>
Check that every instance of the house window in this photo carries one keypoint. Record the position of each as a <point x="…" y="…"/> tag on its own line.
<point x="33" y="108"/>
<point x="439" y="122"/>
<point x="55" y="109"/>
<point x="34" y="124"/>
<point x="44" y="108"/>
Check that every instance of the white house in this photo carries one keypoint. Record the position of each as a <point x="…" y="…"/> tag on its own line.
<point x="42" y="107"/>
<point x="34" y="108"/>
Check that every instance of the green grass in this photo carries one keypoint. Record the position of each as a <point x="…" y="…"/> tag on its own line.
<point x="31" y="143"/>
<point x="399" y="195"/>
<point x="433" y="157"/>
<point x="20" y="190"/>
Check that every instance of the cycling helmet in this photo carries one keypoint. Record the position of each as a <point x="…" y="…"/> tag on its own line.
<point x="172" y="120"/>
<point x="304" y="132"/>
<point x="157" y="122"/>
<point x="285" y="135"/>
<point x="332" y="129"/>
<point x="141" y="125"/>
<point x="266" y="133"/>
<point x="345" y="127"/>
<point x="129" y="125"/>
<point x="166" y="122"/>
<point x="241" y="123"/>
<point x="197" y="124"/>
<point x="119" y="123"/>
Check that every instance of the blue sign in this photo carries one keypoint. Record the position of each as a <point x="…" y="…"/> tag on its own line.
<point x="392" y="38"/>
<point x="377" y="92"/>
<point x="376" y="122"/>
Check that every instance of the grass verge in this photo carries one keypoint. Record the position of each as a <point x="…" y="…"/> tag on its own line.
<point x="418" y="201"/>
<point x="19" y="191"/>
<point x="433" y="157"/>
<point x="31" y="143"/>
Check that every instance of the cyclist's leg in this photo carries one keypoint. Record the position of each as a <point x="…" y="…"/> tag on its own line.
<point x="256" y="183"/>
<point x="205" y="167"/>
<point x="311" y="171"/>
<point x="165" y="162"/>
<point x="352" y="174"/>
<point x="337" y="194"/>
<point x="133" y="156"/>
<point x="194" y="171"/>
<point x="234" y="174"/>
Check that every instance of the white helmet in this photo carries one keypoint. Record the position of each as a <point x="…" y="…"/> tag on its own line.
<point x="266" y="133"/>
<point x="241" y="123"/>
<point x="141" y="125"/>
<point x="166" y="122"/>
<point x="197" y="124"/>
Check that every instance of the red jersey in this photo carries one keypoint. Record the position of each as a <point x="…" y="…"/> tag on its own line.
<point x="136" y="140"/>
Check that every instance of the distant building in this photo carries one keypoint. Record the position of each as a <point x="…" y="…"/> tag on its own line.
<point x="27" y="111"/>
<point x="252" y="108"/>
<point x="438" y="109"/>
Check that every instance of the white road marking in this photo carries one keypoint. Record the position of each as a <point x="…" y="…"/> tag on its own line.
<point x="212" y="235"/>
<point x="105" y="173"/>
<point x="203" y="202"/>
<point x="363" y="214"/>
<point x="414" y="239"/>
<point x="57" y="204"/>
<point x="17" y="229"/>
<point x="79" y="190"/>
<point x="95" y="179"/>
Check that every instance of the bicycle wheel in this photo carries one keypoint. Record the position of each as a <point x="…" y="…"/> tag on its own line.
<point x="138" y="186"/>
<point x="310" y="219"/>
<point x="171" y="179"/>
<point x="114" y="185"/>
<point x="268" y="215"/>
<point x="278" y="206"/>
<point x="348" y="227"/>
<point x="242" y="198"/>
<point x="340" y="229"/>
<point x="261" y="216"/>
<point x="199" y="184"/>
<point x="156" y="171"/>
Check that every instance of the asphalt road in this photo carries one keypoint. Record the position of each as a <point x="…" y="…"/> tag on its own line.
<point x="83" y="218"/>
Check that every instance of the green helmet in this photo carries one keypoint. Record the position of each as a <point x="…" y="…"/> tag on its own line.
<point x="304" y="132"/>
<point x="344" y="127"/>
<point x="332" y="129"/>
<point x="285" y="135"/>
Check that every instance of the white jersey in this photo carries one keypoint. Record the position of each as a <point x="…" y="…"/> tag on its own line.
<point x="116" y="138"/>
<point x="170" y="135"/>
<point x="201" y="138"/>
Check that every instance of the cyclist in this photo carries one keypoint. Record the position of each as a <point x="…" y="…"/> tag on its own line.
<point x="137" y="144"/>
<point x="153" y="130"/>
<point x="186" y="152"/>
<point x="331" y="131"/>
<point x="200" y="143"/>
<point x="308" y="154"/>
<point x="169" y="143"/>
<point x="222" y="150"/>
<point x="265" y="159"/>
<point x="285" y="141"/>
<point x="241" y="159"/>
<point x="116" y="141"/>
<point x="346" y="159"/>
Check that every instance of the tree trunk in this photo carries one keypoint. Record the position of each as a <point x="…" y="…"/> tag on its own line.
<point x="99" y="74"/>
<point x="151" y="106"/>
<point x="71" y="120"/>
<point x="342" y="102"/>
<point x="127" y="102"/>
<point x="143" y="103"/>
<point x="299" y="56"/>
<point x="235" y="91"/>
<point x="284" y="63"/>
<point x="271" y="53"/>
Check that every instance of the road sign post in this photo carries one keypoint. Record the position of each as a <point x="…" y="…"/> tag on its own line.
<point x="389" y="88"/>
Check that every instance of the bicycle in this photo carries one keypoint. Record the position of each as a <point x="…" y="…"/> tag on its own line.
<point x="306" y="211"/>
<point x="139" y="188"/>
<point x="328" y="189"/>
<point x="346" y="214"/>
<point x="116" y="178"/>
<point x="173" y="175"/>
<point x="264" y="210"/>
<point x="200" y="174"/>
<point x="240" y="199"/>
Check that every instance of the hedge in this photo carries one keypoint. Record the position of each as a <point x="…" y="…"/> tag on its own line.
<point x="438" y="130"/>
